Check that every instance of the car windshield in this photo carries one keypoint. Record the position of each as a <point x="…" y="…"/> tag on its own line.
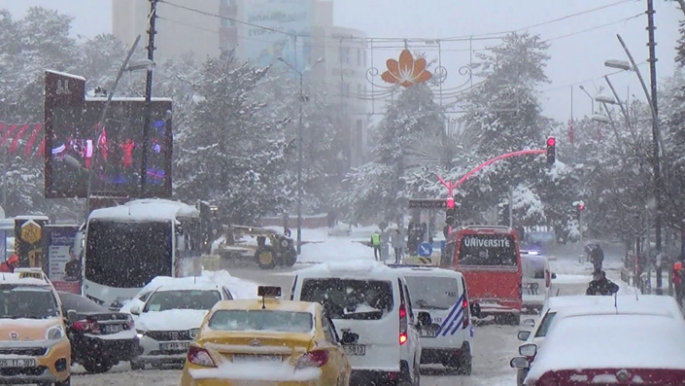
<point x="261" y="320"/>
<point x="488" y="250"/>
<point x="32" y="302"/>
<point x="533" y="267"/>
<point x="350" y="298"/>
<point x="545" y="324"/>
<point x="433" y="293"/>
<point x="182" y="300"/>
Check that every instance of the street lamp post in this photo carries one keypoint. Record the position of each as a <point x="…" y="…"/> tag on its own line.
<point x="589" y="96"/>
<point x="302" y="99"/>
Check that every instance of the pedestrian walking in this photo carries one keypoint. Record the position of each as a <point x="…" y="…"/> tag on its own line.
<point x="597" y="257"/>
<point x="677" y="280"/>
<point x="398" y="244"/>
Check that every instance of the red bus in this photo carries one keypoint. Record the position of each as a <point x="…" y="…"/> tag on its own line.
<point x="490" y="260"/>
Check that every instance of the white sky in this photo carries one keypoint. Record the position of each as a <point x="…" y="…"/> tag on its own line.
<point x="576" y="60"/>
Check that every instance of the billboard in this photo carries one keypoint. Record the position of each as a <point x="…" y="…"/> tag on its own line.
<point x="64" y="266"/>
<point x="281" y="20"/>
<point x="76" y="144"/>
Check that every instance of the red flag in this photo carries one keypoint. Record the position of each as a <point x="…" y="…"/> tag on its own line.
<point x="102" y="144"/>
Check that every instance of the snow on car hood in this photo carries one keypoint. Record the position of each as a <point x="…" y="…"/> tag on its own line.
<point x="170" y="320"/>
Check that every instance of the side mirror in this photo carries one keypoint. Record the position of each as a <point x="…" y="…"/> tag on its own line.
<point x="519" y="363"/>
<point x="135" y="310"/>
<point x="523" y="335"/>
<point x="425" y="319"/>
<point x="72" y="316"/>
<point x="554" y="275"/>
<point x="528" y="350"/>
<point x="528" y="323"/>
<point x="475" y="310"/>
<point x="349" y="338"/>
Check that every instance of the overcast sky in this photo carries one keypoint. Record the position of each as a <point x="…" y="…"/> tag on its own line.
<point x="575" y="60"/>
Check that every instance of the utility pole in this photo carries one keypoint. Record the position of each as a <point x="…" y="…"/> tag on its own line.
<point x="151" y="32"/>
<point x="655" y="141"/>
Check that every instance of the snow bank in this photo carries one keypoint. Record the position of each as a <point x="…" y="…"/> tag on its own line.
<point x="254" y="371"/>
<point x="335" y="250"/>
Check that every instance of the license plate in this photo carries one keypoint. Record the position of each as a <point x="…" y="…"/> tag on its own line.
<point x="257" y="358"/>
<point x="429" y="332"/>
<point x="355" y="349"/>
<point x="113" y="328"/>
<point x="173" y="346"/>
<point x="18" y="362"/>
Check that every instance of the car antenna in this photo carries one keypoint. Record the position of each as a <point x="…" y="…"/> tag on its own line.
<point x="263" y="302"/>
<point x="616" y="301"/>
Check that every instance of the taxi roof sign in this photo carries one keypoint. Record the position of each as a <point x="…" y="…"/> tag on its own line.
<point x="268" y="291"/>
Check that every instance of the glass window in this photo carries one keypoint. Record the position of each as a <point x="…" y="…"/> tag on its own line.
<point x="533" y="267"/>
<point x="262" y="320"/>
<point x="433" y="293"/>
<point x="349" y="298"/>
<point x="182" y="300"/>
<point x="30" y="302"/>
<point x="545" y="324"/>
<point x="127" y="255"/>
<point x="489" y="250"/>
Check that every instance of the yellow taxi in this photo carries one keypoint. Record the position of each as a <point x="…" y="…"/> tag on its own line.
<point x="266" y="341"/>
<point x="34" y="347"/>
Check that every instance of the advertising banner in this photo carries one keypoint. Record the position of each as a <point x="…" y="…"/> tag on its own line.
<point x="64" y="266"/>
<point x="283" y="20"/>
<point x="76" y="143"/>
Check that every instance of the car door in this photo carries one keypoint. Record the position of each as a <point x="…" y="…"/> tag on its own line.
<point x="336" y="353"/>
<point x="414" y="336"/>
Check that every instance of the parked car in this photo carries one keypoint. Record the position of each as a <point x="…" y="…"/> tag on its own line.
<point x="99" y="338"/>
<point x="611" y="348"/>
<point x="170" y="319"/>
<point x="370" y="302"/>
<point x="536" y="281"/>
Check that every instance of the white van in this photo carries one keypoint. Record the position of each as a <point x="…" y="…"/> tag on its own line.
<point x="370" y="305"/>
<point x="443" y="294"/>
<point x="537" y="280"/>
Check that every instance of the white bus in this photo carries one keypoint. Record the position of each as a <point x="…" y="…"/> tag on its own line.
<point x="127" y="246"/>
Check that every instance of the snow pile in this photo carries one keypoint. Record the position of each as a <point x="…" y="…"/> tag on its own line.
<point x="254" y="371"/>
<point x="335" y="250"/>
<point x="349" y="269"/>
<point x="170" y="320"/>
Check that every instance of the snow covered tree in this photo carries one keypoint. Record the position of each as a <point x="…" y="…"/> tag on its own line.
<point x="380" y="187"/>
<point x="230" y="157"/>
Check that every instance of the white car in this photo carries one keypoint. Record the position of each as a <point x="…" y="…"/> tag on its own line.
<point x="369" y="304"/>
<point x="571" y="305"/>
<point x="170" y="319"/>
<point x="443" y="294"/>
<point x="609" y="348"/>
<point x="536" y="281"/>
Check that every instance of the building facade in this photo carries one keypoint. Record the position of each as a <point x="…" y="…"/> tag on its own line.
<point x="300" y="31"/>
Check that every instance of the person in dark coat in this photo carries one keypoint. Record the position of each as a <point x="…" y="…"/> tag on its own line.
<point x="600" y="285"/>
<point x="597" y="257"/>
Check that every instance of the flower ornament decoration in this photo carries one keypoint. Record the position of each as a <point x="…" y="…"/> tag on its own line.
<point x="407" y="71"/>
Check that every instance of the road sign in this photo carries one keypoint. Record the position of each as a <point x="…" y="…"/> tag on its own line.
<point x="425" y="249"/>
<point x="428" y="204"/>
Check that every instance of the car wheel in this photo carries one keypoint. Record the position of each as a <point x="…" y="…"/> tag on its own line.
<point x="97" y="366"/>
<point x="66" y="382"/>
<point x="265" y="257"/>
<point x="290" y="257"/>
<point x="135" y="365"/>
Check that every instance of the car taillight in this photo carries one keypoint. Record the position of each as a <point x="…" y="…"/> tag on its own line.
<point x="548" y="279"/>
<point x="86" y="326"/>
<point x="403" y="324"/>
<point x="200" y="357"/>
<point x="465" y="311"/>
<point x="317" y="358"/>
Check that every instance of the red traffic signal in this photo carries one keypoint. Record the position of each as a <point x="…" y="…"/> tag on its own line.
<point x="551" y="150"/>
<point x="450" y="203"/>
<point x="581" y="206"/>
<point x="551" y="141"/>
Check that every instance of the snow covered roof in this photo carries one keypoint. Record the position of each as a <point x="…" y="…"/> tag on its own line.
<point x="15" y="279"/>
<point x="188" y="285"/>
<point x="354" y="269"/>
<point x="66" y="74"/>
<point x="426" y="271"/>
<point x="612" y="341"/>
<point x="625" y="303"/>
<point x="271" y="304"/>
<point x="146" y="210"/>
<point x="41" y="218"/>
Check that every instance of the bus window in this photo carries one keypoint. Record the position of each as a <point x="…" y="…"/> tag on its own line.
<point x="488" y="250"/>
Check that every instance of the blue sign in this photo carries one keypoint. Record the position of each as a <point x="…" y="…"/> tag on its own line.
<point x="425" y="249"/>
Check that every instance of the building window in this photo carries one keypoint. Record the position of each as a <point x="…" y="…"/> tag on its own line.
<point x="224" y="3"/>
<point x="232" y="2"/>
<point x="346" y="55"/>
<point x="224" y="22"/>
<point x="359" y="57"/>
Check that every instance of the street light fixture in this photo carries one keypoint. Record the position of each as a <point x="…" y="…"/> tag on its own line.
<point x="601" y="118"/>
<point x="618" y="64"/>
<point x="606" y="99"/>
<point x="302" y="99"/>
<point x="142" y="64"/>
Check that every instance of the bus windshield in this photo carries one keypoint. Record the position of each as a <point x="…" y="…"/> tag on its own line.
<point x="488" y="250"/>
<point x="127" y="254"/>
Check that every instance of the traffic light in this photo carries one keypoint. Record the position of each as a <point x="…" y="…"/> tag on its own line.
<point x="451" y="213"/>
<point x="551" y="150"/>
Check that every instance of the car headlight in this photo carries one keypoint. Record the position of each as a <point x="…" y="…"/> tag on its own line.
<point x="54" y="333"/>
<point x="193" y="333"/>
<point x="140" y="333"/>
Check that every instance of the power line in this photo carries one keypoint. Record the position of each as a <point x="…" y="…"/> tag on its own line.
<point x="587" y="80"/>
<point x="595" y="28"/>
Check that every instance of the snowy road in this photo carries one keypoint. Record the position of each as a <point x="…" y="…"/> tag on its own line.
<point x="494" y="345"/>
